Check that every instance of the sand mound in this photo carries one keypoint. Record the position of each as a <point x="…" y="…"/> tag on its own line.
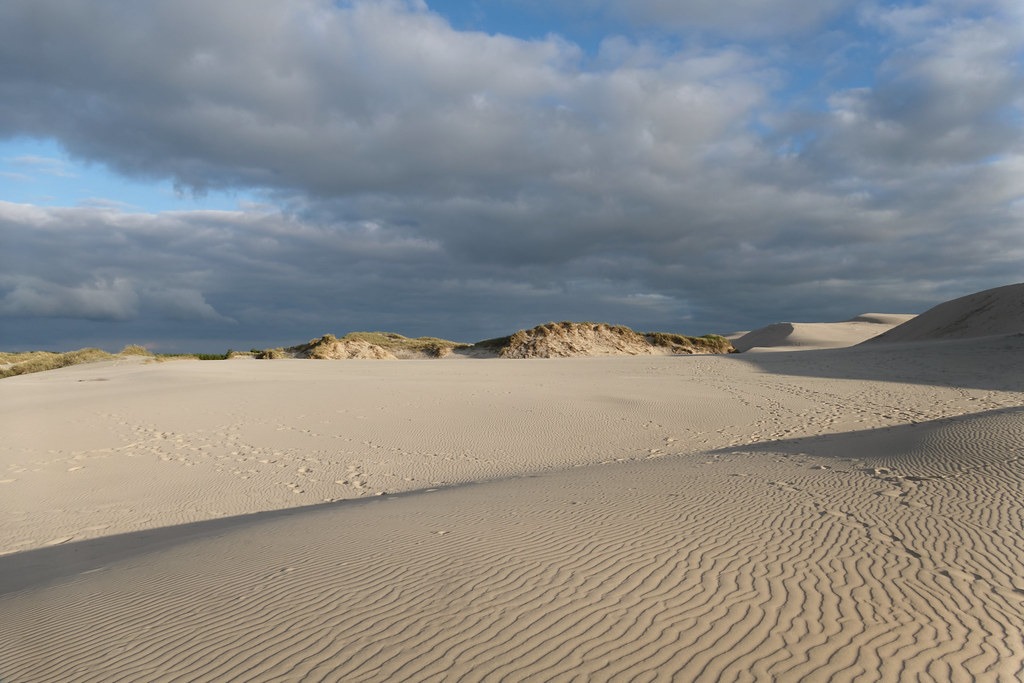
<point x="566" y="339"/>
<point x="991" y="312"/>
<point x="329" y="347"/>
<point x="790" y="336"/>
<point x="572" y="339"/>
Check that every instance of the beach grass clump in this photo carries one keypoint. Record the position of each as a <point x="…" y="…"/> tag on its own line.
<point x="713" y="343"/>
<point x="681" y="343"/>
<point x="12" y="364"/>
<point x="135" y="350"/>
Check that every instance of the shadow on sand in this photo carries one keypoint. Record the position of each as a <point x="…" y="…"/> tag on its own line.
<point x="987" y="363"/>
<point x="42" y="566"/>
<point x="954" y="444"/>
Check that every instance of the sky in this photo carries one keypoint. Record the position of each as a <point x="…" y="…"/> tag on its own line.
<point x="197" y="175"/>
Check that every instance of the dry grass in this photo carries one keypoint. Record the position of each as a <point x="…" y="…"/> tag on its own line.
<point x="135" y="350"/>
<point x="396" y="344"/>
<point x="680" y="343"/>
<point x="586" y="338"/>
<point x="40" y="361"/>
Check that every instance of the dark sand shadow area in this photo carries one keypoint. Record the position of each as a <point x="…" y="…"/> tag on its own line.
<point x="989" y="363"/>
<point x="955" y="444"/>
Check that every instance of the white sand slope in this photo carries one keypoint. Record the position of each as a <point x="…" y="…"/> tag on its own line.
<point x="849" y="514"/>
<point x="796" y="336"/>
<point x="991" y="312"/>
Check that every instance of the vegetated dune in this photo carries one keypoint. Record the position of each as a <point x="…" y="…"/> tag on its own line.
<point x="792" y="336"/>
<point x="982" y="314"/>
<point x="367" y="345"/>
<point x="574" y="339"/>
<point x="12" y="364"/>
<point x="552" y="340"/>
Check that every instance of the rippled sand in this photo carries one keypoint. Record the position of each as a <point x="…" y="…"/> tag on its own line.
<point x="849" y="514"/>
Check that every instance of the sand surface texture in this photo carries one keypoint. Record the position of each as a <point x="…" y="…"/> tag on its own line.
<point x="850" y="514"/>
<point x="996" y="311"/>
<point x="793" y="336"/>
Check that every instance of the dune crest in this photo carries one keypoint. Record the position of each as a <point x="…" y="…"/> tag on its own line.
<point x="982" y="314"/>
<point x="791" y="336"/>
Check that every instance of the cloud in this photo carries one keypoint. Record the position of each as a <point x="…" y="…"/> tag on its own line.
<point x="183" y="304"/>
<point x="267" y="278"/>
<point x="343" y="100"/>
<point x="98" y="300"/>
<point x="39" y="164"/>
<point x="439" y="181"/>
<point x="950" y="92"/>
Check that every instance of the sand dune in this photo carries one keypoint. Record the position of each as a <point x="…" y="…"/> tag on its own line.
<point x="792" y="336"/>
<point x="574" y="340"/>
<point x="827" y="515"/>
<point x="991" y="312"/>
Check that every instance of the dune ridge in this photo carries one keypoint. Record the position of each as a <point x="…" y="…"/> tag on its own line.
<point x="996" y="311"/>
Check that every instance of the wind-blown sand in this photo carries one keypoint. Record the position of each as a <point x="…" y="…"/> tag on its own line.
<point x="850" y="514"/>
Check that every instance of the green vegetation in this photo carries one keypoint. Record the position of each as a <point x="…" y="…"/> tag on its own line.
<point x="214" y="356"/>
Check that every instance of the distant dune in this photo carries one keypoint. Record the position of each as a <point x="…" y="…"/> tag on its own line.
<point x="983" y="314"/>
<point x="570" y="339"/>
<point x="367" y="345"/>
<point x="551" y="340"/>
<point x="791" y="336"/>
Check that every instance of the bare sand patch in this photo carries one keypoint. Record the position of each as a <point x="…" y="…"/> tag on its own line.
<point x="997" y="311"/>
<point x="794" y="336"/>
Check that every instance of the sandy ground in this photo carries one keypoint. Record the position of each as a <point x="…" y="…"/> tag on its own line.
<point x="807" y="336"/>
<point x="850" y="514"/>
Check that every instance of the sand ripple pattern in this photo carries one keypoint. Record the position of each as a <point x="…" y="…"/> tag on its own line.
<point x="803" y="568"/>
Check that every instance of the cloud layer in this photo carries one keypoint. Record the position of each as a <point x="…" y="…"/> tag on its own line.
<point x="431" y="180"/>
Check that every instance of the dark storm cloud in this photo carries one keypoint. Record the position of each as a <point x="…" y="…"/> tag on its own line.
<point x="435" y="181"/>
